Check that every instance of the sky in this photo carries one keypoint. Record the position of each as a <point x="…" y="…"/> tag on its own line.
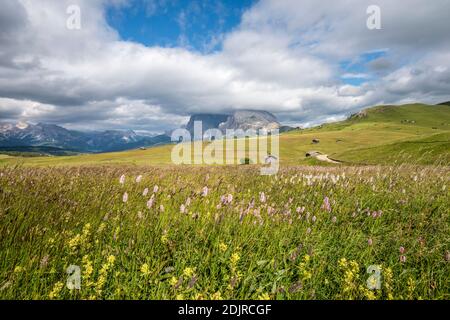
<point x="147" y="65"/>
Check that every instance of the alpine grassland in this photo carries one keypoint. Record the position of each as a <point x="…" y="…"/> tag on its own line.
<point x="131" y="225"/>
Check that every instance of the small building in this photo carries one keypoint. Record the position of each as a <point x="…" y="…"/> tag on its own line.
<point x="270" y="159"/>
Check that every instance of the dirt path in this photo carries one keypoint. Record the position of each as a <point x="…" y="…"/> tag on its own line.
<point x="324" y="157"/>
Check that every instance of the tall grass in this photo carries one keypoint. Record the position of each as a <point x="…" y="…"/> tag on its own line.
<point x="307" y="233"/>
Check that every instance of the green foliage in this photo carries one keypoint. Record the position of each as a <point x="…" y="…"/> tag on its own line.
<point x="196" y="243"/>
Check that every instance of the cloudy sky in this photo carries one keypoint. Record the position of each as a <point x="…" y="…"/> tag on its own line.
<point x="149" y="64"/>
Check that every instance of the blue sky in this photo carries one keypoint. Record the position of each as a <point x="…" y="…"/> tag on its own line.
<point x="194" y="24"/>
<point x="302" y="60"/>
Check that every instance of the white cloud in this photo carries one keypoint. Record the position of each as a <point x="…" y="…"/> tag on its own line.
<point x="283" y="58"/>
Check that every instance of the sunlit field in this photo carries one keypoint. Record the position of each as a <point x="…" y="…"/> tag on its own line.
<point x="225" y="232"/>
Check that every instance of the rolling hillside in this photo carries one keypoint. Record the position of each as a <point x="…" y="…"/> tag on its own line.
<point x="414" y="133"/>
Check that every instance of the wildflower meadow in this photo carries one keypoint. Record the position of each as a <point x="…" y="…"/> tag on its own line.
<point x="132" y="232"/>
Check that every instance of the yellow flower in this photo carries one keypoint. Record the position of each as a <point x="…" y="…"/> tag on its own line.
<point x="56" y="290"/>
<point x="101" y="227"/>
<point x="217" y="296"/>
<point x="173" y="281"/>
<point x="145" y="269"/>
<point x="179" y="297"/>
<point x="188" y="272"/>
<point x="235" y="258"/>
<point x="111" y="259"/>
<point x="164" y="238"/>
<point x="343" y="262"/>
<point x="18" y="269"/>
<point x="223" y="247"/>
<point x="264" y="296"/>
<point x="87" y="271"/>
<point x="307" y="258"/>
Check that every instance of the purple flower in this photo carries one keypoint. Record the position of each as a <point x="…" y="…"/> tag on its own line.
<point x="300" y="210"/>
<point x="326" y="204"/>
<point x="150" y="202"/>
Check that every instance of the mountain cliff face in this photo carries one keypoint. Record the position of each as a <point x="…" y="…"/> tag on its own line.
<point x="48" y="135"/>
<point x="250" y="120"/>
<point x="209" y="121"/>
<point x="238" y="120"/>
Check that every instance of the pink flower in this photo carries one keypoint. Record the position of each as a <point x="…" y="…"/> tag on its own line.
<point x="402" y="250"/>
<point x="369" y="241"/>
<point x="122" y="179"/>
<point x="145" y="192"/>
<point x="150" y="202"/>
<point x="402" y="259"/>
<point x="300" y="210"/>
<point x="326" y="204"/>
<point x="138" y="179"/>
<point x="205" y="191"/>
<point x="125" y="197"/>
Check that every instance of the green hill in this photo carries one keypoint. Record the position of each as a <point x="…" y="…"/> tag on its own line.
<point x="413" y="133"/>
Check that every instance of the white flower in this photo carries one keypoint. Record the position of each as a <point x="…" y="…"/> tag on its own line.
<point x="125" y="197"/>
<point x="155" y="189"/>
<point x="122" y="179"/>
<point x="145" y="192"/>
<point x="262" y="197"/>
<point x="205" y="191"/>
<point x="138" y="179"/>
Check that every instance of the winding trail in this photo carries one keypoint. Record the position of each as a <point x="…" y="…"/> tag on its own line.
<point x="324" y="157"/>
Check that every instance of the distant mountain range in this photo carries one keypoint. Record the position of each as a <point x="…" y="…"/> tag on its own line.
<point x="26" y="138"/>
<point x="21" y="135"/>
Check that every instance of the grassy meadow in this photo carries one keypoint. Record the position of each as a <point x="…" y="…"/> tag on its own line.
<point x="141" y="228"/>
